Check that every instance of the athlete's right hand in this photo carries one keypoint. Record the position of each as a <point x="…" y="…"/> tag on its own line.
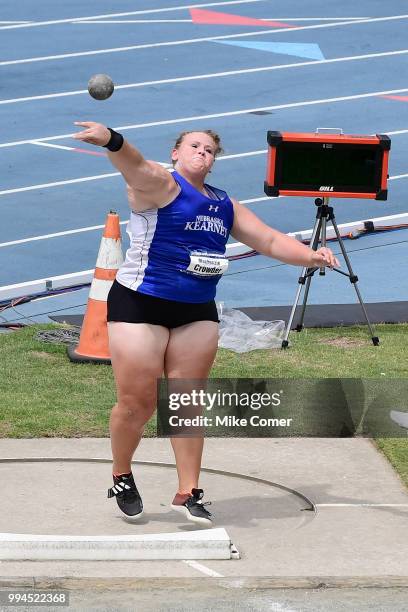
<point x="95" y="133"/>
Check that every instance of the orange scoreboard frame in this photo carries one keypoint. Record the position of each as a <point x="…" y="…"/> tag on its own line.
<point x="330" y="165"/>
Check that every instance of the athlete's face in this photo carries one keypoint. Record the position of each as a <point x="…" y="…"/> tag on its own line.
<point x="195" y="154"/>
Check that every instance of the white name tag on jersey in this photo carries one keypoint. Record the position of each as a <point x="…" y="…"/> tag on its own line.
<point x="206" y="264"/>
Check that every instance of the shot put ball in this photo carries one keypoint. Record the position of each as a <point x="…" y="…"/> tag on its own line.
<point x="100" y="86"/>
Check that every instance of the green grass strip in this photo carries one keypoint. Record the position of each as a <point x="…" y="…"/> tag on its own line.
<point x="43" y="394"/>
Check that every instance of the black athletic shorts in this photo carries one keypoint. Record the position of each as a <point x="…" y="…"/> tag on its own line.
<point x="131" y="306"/>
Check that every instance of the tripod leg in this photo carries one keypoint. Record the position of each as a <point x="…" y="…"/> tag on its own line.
<point x="285" y="342"/>
<point x="353" y="280"/>
<point x="313" y="240"/>
<point x="322" y="271"/>
<point x="299" y="326"/>
<point x="320" y="234"/>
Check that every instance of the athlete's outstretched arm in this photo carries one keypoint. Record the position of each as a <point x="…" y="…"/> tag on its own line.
<point x="250" y="230"/>
<point x="153" y="182"/>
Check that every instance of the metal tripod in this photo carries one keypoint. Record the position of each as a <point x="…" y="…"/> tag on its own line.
<point x="324" y="213"/>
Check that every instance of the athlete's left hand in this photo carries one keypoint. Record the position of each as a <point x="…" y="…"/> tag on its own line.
<point x="324" y="257"/>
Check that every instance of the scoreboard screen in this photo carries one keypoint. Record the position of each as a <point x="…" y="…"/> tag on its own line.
<point x="330" y="165"/>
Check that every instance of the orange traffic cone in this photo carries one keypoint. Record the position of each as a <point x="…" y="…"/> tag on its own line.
<point x="93" y="343"/>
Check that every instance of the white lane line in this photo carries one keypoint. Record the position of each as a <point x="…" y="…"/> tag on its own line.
<point x="396" y="132"/>
<point x="142" y="12"/>
<point x="85" y="276"/>
<point x="310" y="18"/>
<point x="245" y="111"/>
<point x="102" y="176"/>
<point x="103" y="21"/>
<point x="361" y="505"/>
<point x="92" y="228"/>
<point x="97" y="177"/>
<point x="211" y="75"/>
<point x="80" y="230"/>
<point x="248" y="154"/>
<point x="202" y="568"/>
<point x="72" y="149"/>
<point x="195" y="40"/>
<point x="253" y="200"/>
<point x="398" y="176"/>
<point x="52" y="146"/>
<point x="232" y="156"/>
<point x="384" y="220"/>
<point x="296" y="19"/>
<point x="14" y="22"/>
<point x="63" y="94"/>
<point x="165" y="164"/>
<point x="191" y="21"/>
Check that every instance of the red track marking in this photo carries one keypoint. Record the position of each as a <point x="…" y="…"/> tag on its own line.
<point x="90" y="152"/>
<point x="399" y="98"/>
<point x="212" y="17"/>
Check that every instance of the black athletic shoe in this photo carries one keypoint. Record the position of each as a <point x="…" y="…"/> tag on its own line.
<point x="127" y="496"/>
<point x="193" y="507"/>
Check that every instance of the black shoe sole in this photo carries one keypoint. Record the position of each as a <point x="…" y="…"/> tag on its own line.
<point x="194" y="519"/>
<point x="131" y="518"/>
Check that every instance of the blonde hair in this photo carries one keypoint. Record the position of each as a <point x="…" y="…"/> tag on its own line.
<point x="211" y="133"/>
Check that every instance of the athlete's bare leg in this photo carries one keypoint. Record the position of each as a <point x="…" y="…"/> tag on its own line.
<point x="190" y="354"/>
<point x="137" y="353"/>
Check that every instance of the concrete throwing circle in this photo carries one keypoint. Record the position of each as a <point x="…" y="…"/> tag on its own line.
<point x="60" y="496"/>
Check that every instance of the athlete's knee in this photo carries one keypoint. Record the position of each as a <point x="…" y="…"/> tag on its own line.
<point x="136" y="408"/>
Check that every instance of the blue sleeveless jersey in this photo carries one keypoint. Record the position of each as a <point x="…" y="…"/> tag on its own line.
<point x="178" y="252"/>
